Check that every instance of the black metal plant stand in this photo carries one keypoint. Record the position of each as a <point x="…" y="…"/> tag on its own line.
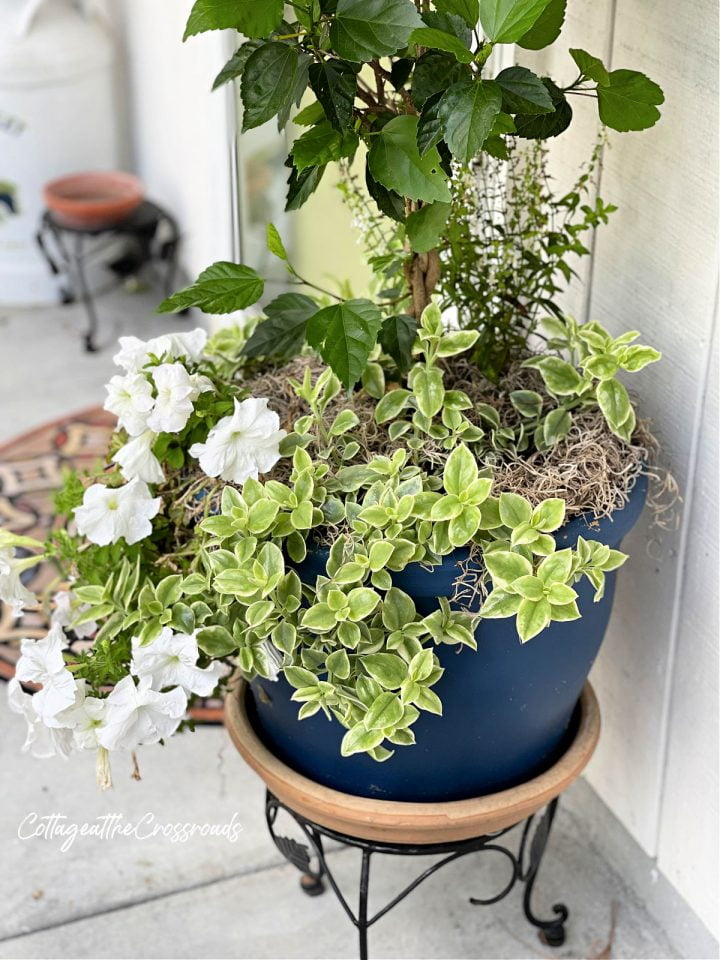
<point x="150" y="233"/>
<point x="525" y="865"/>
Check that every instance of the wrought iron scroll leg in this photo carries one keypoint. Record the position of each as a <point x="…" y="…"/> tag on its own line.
<point x="85" y="295"/>
<point x="311" y="882"/>
<point x="551" y="932"/>
<point x="295" y="853"/>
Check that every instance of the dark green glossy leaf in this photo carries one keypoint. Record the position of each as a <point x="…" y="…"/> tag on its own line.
<point x="221" y="288"/>
<point x="236" y="64"/>
<point x="546" y="28"/>
<point x="282" y="334"/>
<point x="506" y="21"/>
<point x="254" y="18"/>
<point x="440" y="40"/>
<point x="424" y="227"/>
<point x="449" y="23"/>
<point x="590" y="67"/>
<point x="496" y="147"/>
<point x="430" y="126"/>
<point x="311" y="114"/>
<point x="366" y="29"/>
<point x="434" y="72"/>
<point x="267" y="82"/>
<point x="547" y="124"/>
<point x="629" y="101"/>
<point x="344" y="334"/>
<point x="469" y="10"/>
<point x="321" y="144"/>
<point x="389" y="202"/>
<point x="495" y="143"/>
<point x="468" y="111"/>
<point x="504" y="123"/>
<point x="523" y="92"/>
<point x="302" y="185"/>
<point x="400" y="72"/>
<point x="333" y="83"/>
<point x="299" y="86"/>
<point x="397" y="337"/>
<point x="395" y="162"/>
<point x="446" y="157"/>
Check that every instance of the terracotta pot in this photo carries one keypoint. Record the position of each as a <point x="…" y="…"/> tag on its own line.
<point x="93" y="200"/>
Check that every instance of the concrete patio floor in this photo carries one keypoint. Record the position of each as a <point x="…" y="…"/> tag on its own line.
<point x="208" y="897"/>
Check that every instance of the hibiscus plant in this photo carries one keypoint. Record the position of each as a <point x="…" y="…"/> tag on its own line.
<point x="265" y="487"/>
<point x="408" y="90"/>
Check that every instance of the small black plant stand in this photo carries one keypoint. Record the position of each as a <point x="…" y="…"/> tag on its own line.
<point x="150" y="233"/>
<point x="533" y="834"/>
<point x="444" y="829"/>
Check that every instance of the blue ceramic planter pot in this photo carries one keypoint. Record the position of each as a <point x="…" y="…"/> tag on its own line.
<point x="507" y="709"/>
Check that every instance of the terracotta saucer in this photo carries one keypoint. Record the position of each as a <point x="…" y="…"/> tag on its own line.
<point x="413" y="823"/>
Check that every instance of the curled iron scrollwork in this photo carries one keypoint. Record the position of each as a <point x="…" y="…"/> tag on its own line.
<point x="525" y="865"/>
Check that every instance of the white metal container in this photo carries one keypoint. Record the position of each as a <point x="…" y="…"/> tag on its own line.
<point x="57" y="116"/>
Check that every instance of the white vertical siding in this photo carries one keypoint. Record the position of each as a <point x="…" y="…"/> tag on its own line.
<point x="655" y="269"/>
<point x="180" y="134"/>
<point x="688" y="827"/>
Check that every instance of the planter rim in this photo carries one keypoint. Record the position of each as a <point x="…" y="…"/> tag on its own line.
<point x="402" y="822"/>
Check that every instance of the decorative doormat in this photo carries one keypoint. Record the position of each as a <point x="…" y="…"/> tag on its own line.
<point x="31" y="469"/>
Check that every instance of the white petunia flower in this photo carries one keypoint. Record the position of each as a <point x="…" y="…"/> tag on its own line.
<point x="64" y="613"/>
<point x="179" y="346"/>
<point x="12" y="590"/>
<point x="134" y="353"/>
<point x="85" y="718"/>
<point x="200" y="384"/>
<point x="243" y="445"/>
<point x="137" y="461"/>
<point x="42" y="661"/>
<point x="107" y="514"/>
<point x="137" y="715"/>
<point x="173" y="404"/>
<point x="130" y="399"/>
<point x="41" y="741"/>
<point x="171" y="660"/>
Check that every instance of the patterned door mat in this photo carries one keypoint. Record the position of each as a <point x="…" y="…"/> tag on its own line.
<point x="31" y="470"/>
